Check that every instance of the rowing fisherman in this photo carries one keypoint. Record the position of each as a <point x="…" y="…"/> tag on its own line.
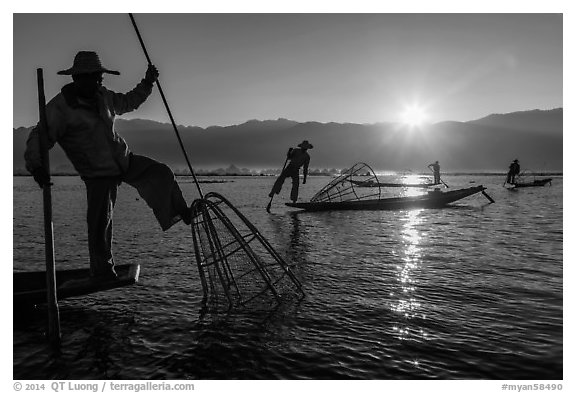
<point x="81" y="119"/>
<point x="436" y="169"/>
<point x="513" y="171"/>
<point x="299" y="158"/>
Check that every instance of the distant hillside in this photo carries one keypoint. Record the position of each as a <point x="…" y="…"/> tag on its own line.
<point x="535" y="120"/>
<point x="490" y="143"/>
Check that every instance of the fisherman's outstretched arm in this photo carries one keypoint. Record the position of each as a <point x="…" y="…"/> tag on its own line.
<point x="127" y="102"/>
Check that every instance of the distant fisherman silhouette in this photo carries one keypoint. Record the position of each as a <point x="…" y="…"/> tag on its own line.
<point x="513" y="171"/>
<point x="436" y="169"/>
<point x="299" y="158"/>
<point x="81" y="119"/>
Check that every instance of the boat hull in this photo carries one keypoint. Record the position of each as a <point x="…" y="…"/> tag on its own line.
<point x="535" y="183"/>
<point x="30" y="287"/>
<point x="433" y="199"/>
<point x="369" y="184"/>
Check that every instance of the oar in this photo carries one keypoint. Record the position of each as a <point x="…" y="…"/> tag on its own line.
<point x="167" y="107"/>
<point x="272" y="197"/>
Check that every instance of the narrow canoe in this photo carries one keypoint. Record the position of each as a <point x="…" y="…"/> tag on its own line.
<point x="433" y="199"/>
<point x="535" y="183"/>
<point x="392" y="185"/>
<point x="30" y="287"/>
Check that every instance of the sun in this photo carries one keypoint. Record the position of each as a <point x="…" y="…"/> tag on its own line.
<point x="414" y="116"/>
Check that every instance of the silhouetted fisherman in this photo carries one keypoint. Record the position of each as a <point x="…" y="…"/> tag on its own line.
<point x="513" y="171"/>
<point x="436" y="169"/>
<point x="299" y="158"/>
<point x="81" y="119"/>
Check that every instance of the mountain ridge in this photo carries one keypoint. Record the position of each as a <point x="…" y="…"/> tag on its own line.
<point x="489" y="143"/>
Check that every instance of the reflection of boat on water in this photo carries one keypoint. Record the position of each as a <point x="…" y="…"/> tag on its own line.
<point x="30" y="287"/>
<point x="346" y="192"/>
<point x="534" y="183"/>
<point x="371" y="183"/>
<point x="433" y="199"/>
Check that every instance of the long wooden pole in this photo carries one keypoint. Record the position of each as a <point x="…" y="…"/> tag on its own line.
<point x="167" y="107"/>
<point x="51" y="299"/>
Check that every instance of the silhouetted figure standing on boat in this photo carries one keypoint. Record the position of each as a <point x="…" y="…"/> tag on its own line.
<point x="299" y="158"/>
<point x="513" y="171"/>
<point x="436" y="169"/>
<point x="81" y="119"/>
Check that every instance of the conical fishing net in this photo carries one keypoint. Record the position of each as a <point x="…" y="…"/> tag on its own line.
<point x="237" y="265"/>
<point x="353" y="184"/>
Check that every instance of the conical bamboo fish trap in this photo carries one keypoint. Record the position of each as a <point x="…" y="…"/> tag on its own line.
<point x="348" y="186"/>
<point x="237" y="265"/>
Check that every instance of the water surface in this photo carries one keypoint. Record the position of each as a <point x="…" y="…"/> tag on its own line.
<point x="464" y="292"/>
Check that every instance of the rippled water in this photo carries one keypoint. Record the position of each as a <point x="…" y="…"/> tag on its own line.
<point x="470" y="291"/>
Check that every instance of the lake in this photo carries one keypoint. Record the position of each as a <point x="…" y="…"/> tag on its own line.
<point x="470" y="291"/>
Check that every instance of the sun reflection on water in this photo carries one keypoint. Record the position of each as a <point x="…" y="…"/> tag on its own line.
<point x="413" y="179"/>
<point x="404" y="301"/>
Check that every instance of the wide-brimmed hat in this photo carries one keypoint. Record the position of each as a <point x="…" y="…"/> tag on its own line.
<point x="516" y="160"/>
<point x="86" y="62"/>
<point x="306" y="145"/>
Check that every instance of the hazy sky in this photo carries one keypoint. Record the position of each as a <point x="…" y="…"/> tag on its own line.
<point x="223" y="69"/>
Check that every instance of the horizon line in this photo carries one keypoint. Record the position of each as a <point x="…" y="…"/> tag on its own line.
<point x="326" y="122"/>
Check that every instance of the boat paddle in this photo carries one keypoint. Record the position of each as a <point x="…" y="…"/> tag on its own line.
<point x="167" y="107"/>
<point x="272" y="197"/>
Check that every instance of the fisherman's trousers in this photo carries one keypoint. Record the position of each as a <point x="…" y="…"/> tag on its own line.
<point x="155" y="183"/>
<point x="294" y="174"/>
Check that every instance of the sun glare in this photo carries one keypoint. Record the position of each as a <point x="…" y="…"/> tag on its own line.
<point x="414" y="116"/>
